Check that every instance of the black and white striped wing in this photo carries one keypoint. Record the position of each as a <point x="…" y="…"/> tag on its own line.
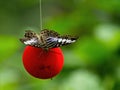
<point x="30" y="38"/>
<point x="53" y="42"/>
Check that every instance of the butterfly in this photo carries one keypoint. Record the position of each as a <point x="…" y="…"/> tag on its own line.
<point x="47" y="39"/>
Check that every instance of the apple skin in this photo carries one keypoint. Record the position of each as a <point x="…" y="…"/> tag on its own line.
<point x="43" y="64"/>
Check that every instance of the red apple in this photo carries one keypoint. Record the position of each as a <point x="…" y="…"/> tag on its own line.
<point x="41" y="63"/>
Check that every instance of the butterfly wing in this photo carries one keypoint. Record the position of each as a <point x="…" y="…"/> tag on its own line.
<point x="30" y="38"/>
<point x="53" y="42"/>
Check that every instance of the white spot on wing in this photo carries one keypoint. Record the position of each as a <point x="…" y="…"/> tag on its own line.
<point x="70" y="41"/>
<point x="63" y="41"/>
<point x="31" y="41"/>
<point x="60" y="39"/>
<point x="73" y="41"/>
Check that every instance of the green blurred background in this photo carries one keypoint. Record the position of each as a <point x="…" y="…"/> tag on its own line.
<point x="92" y="63"/>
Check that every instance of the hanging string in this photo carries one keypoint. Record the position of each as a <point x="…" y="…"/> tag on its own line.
<point x="41" y="15"/>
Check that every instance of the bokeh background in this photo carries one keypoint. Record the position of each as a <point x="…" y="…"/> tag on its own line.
<point x="92" y="63"/>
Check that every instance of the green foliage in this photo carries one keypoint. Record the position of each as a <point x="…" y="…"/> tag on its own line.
<point x="9" y="45"/>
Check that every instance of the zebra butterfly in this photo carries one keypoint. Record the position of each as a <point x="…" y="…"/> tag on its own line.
<point x="47" y="39"/>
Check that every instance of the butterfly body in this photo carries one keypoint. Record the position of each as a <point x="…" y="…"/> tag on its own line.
<point x="46" y="39"/>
